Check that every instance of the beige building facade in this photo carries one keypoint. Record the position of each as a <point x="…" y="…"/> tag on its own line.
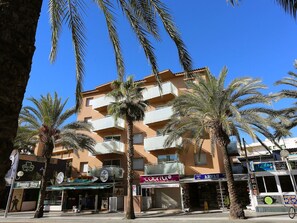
<point x="164" y="177"/>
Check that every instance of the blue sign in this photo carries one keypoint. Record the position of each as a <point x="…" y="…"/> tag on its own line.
<point x="214" y="176"/>
<point x="258" y="167"/>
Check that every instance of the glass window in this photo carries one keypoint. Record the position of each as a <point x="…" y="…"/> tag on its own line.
<point x="260" y="184"/>
<point x="111" y="138"/>
<point x="270" y="184"/>
<point x="138" y="164"/>
<point x="286" y="183"/>
<point x="159" y="132"/>
<point x="138" y="138"/>
<point x="87" y="119"/>
<point x="167" y="158"/>
<point x="112" y="163"/>
<point x="88" y="101"/>
<point x="84" y="167"/>
<point x="200" y="160"/>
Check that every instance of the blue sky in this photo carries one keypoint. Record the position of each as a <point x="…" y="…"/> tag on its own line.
<point x="255" y="38"/>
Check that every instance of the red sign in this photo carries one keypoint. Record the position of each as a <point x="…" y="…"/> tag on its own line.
<point x="159" y="178"/>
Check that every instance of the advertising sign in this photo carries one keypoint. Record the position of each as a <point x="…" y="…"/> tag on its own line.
<point x="159" y="178"/>
<point x="214" y="176"/>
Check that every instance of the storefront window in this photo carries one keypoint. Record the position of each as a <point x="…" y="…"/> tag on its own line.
<point x="286" y="183"/>
<point x="270" y="184"/>
<point x="266" y="184"/>
<point x="260" y="183"/>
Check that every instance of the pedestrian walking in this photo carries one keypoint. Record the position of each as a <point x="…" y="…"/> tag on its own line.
<point x="15" y="202"/>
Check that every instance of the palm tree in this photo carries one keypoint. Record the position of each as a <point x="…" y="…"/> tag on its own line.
<point x="208" y="106"/>
<point x="18" y="26"/>
<point x="291" y="93"/>
<point x="130" y="106"/>
<point x="46" y="120"/>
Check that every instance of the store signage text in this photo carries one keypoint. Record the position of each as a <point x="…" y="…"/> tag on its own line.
<point x="159" y="178"/>
<point x="215" y="176"/>
<point x="27" y="184"/>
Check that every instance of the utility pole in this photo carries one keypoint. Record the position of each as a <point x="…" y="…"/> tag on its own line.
<point x="249" y="176"/>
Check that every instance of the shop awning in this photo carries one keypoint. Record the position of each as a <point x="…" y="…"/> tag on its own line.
<point x="159" y="185"/>
<point x="79" y="187"/>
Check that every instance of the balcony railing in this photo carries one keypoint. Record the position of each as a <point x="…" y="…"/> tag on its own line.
<point x="167" y="89"/>
<point x="113" y="172"/>
<point x="109" y="147"/>
<point x="155" y="143"/>
<point x="164" y="168"/>
<point x="158" y="115"/>
<point x="102" y="102"/>
<point x="107" y="123"/>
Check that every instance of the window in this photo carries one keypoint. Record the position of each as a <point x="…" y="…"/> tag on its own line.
<point x="138" y="138"/>
<point x="159" y="132"/>
<point x="112" y="138"/>
<point x="112" y="163"/>
<point x="200" y="160"/>
<point x="138" y="164"/>
<point x="87" y="119"/>
<point x="88" y="101"/>
<point x="167" y="158"/>
<point x="266" y="184"/>
<point x="286" y="183"/>
<point x="84" y="167"/>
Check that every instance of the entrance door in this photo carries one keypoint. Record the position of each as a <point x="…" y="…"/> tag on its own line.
<point x="201" y="193"/>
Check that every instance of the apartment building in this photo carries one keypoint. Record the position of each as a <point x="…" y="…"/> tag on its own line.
<point x="168" y="177"/>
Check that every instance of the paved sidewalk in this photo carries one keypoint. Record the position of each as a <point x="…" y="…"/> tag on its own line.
<point x="168" y="216"/>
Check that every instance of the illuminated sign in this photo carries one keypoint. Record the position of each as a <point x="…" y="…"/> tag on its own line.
<point x="159" y="178"/>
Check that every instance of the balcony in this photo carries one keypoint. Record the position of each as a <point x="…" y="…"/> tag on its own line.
<point x="100" y="104"/>
<point x="156" y="143"/>
<point x="165" y="168"/>
<point x="113" y="172"/>
<point x="109" y="147"/>
<point x="169" y="91"/>
<point x="158" y="116"/>
<point x="108" y="124"/>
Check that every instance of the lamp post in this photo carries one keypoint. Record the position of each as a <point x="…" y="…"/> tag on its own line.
<point x="14" y="157"/>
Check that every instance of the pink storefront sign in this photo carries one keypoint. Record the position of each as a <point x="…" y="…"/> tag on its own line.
<point x="159" y="178"/>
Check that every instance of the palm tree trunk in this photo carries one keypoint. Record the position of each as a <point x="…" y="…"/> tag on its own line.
<point x="17" y="37"/>
<point x="40" y="204"/>
<point x="236" y="210"/>
<point x="130" y="209"/>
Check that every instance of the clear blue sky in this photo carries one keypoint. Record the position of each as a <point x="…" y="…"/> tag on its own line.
<point x="254" y="39"/>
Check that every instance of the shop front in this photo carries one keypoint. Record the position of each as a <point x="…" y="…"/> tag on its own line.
<point x="209" y="191"/>
<point x="102" y="190"/>
<point x="273" y="184"/>
<point x="161" y="191"/>
<point x="28" y="180"/>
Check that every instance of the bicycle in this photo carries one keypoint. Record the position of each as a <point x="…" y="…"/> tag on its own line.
<point x="291" y="200"/>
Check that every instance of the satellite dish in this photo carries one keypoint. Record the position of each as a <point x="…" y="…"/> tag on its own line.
<point x="284" y="153"/>
<point x="60" y="177"/>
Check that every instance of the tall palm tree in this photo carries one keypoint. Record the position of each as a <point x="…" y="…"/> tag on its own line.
<point x="130" y="106"/>
<point x="18" y="26"/>
<point x="291" y="93"/>
<point x="46" y="120"/>
<point x="208" y="106"/>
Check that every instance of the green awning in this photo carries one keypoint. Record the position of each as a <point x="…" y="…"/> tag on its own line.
<point x="79" y="187"/>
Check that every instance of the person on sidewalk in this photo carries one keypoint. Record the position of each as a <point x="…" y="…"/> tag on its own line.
<point x="15" y="202"/>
